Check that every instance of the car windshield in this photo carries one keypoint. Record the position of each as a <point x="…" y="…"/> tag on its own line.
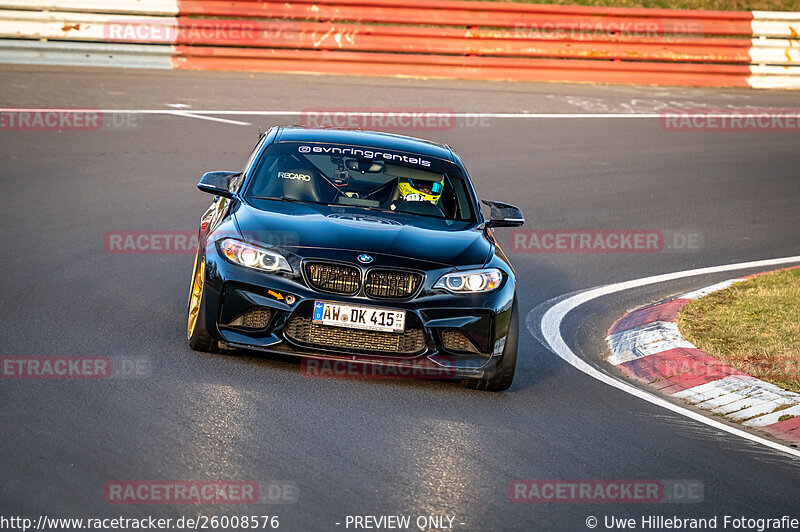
<point x="369" y="178"/>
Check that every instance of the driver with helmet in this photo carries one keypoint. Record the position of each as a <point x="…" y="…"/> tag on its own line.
<point x="420" y="190"/>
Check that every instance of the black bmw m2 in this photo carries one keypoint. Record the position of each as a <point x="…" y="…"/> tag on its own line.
<point x="358" y="246"/>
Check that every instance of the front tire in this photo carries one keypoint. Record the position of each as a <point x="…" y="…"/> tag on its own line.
<point x="503" y="374"/>
<point x="197" y="331"/>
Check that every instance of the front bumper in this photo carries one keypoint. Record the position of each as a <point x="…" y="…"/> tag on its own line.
<point x="232" y="291"/>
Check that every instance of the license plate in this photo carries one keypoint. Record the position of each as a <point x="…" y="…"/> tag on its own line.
<point x="358" y="317"/>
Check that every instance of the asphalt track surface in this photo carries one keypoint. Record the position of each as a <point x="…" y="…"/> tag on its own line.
<point x="355" y="447"/>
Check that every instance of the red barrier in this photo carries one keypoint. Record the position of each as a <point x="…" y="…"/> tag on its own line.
<point x="481" y="14"/>
<point x="467" y="39"/>
<point x="411" y="39"/>
<point x="463" y="67"/>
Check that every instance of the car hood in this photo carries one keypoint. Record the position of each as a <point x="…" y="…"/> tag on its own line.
<point x="300" y="228"/>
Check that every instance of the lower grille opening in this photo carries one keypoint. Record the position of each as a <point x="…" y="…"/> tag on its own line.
<point x="304" y="331"/>
<point x="457" y="341"/>
<point x="255" y="318"/>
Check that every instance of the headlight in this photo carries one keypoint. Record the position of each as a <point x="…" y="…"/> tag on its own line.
<point x="252" y="256"/>
<point x="470" y="282"/>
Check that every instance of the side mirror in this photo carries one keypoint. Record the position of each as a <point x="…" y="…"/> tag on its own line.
<point x="218" y="183"/>
<point x="504" y="215"/>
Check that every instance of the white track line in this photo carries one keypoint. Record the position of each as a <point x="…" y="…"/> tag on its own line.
<point x="363" y="113"/>
<point x="446" y="113"/>
<point x="336" y="112"/>
<point x="551" y="330"/>
<point x="210" y="118"/>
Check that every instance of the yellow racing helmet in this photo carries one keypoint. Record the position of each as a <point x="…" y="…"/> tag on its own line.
<point x="421" y="190"/>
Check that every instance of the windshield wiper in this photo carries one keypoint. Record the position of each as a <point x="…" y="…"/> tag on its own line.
<point x="290" y="200"/>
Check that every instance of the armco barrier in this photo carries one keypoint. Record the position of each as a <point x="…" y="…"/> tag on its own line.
<point x="436" y="38"/>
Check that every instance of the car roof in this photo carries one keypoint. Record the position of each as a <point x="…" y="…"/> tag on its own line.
<point x="363" y="138"/>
